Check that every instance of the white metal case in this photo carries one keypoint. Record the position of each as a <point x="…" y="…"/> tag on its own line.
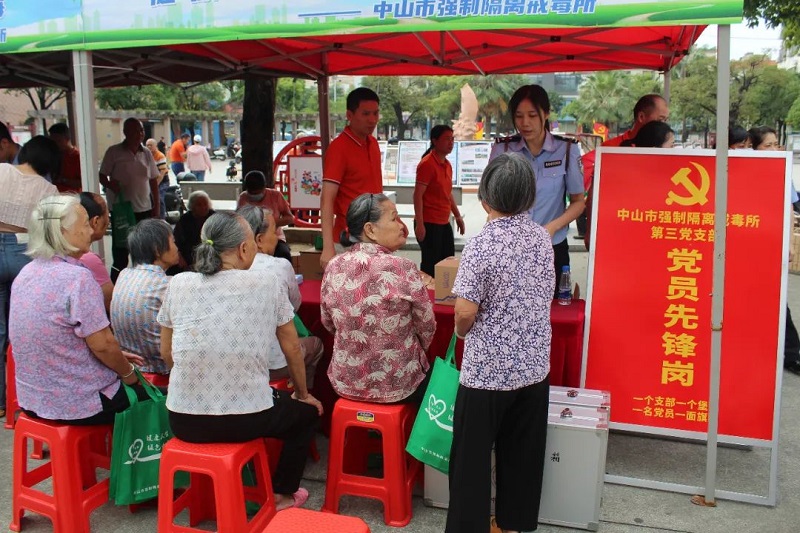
<point x="575" y="458"/>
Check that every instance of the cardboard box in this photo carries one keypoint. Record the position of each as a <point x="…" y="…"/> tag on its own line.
<point x="308" y="264"/>
<point x="445" y="271"/>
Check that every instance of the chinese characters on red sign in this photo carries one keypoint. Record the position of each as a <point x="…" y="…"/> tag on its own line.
<point x="650" y="301"/>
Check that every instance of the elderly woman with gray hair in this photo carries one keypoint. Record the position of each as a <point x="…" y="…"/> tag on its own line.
<point x="264" y="228"/>
<point x="187" y="230"/>
<point x="68" y="364"/>
<point x="504" y="290"/>
<point x="138" y="294"/>
<point x="213" y="325"/>
<point x="378" y="309"/>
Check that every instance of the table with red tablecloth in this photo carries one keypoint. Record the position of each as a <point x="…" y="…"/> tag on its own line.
<point x="565" y="351"/>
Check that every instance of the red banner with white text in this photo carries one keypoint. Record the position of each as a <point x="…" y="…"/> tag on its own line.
<point x="649" y="336"/>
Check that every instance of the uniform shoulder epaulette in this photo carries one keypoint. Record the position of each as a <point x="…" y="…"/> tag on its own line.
<point x="508" y="139"/>
<point x="565" y="138"/>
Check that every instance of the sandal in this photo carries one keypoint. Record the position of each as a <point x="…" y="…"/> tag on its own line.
<point x="300" y="497"/>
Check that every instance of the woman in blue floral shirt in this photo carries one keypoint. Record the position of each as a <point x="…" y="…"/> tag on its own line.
<point x="505" y="285"/>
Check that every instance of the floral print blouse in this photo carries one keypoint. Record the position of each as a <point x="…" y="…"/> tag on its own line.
<point x="382" y="318"/>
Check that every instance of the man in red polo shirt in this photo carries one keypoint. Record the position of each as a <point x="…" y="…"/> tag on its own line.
<point x="648" y="108"/>
<point x="351" y="167"/>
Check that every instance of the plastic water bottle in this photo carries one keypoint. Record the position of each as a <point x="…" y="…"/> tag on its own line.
<point x="565" y="287"/>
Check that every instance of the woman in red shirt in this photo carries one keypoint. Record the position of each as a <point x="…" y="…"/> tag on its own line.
<point x="433" y="201"/>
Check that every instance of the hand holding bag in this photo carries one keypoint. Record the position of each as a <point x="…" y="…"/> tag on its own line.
<point x="139" y="433"/>
<point x="432" y="434"/>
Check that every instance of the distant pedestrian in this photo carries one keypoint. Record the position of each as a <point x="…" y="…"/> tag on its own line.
<point x="197" y="160"/>
<point x="129" y="167"/>
<point x="162" y="146"/>
<point x="68" y="178"/>
<point x="177" y="154"/>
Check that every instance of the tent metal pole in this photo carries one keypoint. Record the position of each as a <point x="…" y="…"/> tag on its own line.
<point x="324" y="113"/>
<point x="667" y="84"/>
<point x="324" y="109"/>
<point x="718" y="285"/>
<point x="85" y="126"/>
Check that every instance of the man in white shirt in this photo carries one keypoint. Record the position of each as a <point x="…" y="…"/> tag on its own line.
<point x="129" y="168"/>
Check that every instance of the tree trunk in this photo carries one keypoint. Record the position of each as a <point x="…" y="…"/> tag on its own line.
<point x="401" y="126"/>
<point x="258" y="123"/>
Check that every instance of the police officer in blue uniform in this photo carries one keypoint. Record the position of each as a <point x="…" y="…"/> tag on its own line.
<point x="556" y="165"/>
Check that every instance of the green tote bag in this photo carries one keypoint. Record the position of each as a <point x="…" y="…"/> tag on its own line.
<point x="123" y="220"/>
<point x="432" y="434"/>
<point x="139" y="433"/>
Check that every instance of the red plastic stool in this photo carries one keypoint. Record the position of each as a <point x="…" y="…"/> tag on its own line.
<point x="296" y="520"/>
<point x="12" y="406"/>
<point x="276" y="446"/>
<point x="11" y="390"/>
<point x="400" y="470"/>
<point x="75" y="452"/>
<point x="215" y="489"/>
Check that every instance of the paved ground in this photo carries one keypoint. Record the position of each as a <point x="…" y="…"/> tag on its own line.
<point x="624" y="509"/>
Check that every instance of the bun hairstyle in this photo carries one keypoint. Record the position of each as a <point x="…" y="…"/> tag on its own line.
<point x="365" y="208"/>
<point x="222" y="232"/>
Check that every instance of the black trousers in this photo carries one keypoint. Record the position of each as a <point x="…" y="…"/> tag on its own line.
<point x="791" y="346"/>
<point x="438" y="244"/>
<point x="282" y="250"/>
<point x="560" y="259"/>
<point x="515" y="422"/>
<point x="120" y="252"/>
<point x="111" y="406"/>
<point x="289" y="420"/>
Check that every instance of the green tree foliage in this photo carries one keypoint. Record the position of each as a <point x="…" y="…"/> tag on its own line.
<point x="401" y="100"/>
<point x="609" y="97"/>
<point x="768" y="102"/>
<point x="776" y="13"/>
<point x="760" y="93"/>
<point x="41" y="98"/>
<point x="206" y="97"/>
<point x="293" y="96"/>
<point x="601" y="98"/>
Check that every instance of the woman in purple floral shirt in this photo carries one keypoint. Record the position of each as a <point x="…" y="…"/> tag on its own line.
<point x="378" y="308"/>
<point x="505" y="286"/>
<point x="68" y="364"/>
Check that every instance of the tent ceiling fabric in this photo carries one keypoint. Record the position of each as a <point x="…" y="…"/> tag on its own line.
<point x="389" y="54"/>
<point x="463" y="52"/>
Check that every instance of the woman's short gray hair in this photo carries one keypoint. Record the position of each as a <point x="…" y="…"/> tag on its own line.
<point x="50" y="216"/>
<point x="195" y="196"/>
<point x="508" y="184"/>
<point x="149" y="240"/>
<point x="221" y="233"/>
<point x="365" y="208"/>
<point x="255" y="216"/>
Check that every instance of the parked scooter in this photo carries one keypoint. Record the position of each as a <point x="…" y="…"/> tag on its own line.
<point x="233" y="148"/>
<point x="219" y="154"/>
<point x="173" y="201"/>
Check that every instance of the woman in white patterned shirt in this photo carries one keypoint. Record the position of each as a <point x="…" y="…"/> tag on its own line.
<point x="212" y="336"/>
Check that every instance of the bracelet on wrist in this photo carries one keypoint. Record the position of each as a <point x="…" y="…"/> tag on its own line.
<point x="460" y="337"/>
<point x="129" y="374"/>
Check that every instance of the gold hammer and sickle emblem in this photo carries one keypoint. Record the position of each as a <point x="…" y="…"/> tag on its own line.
<point x="697" y="195"/>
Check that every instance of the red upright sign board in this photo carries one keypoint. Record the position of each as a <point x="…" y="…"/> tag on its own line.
<point x="649" y="337"/>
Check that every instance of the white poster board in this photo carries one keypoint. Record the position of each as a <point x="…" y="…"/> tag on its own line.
<point x="408" y="155"/>
<point x="473" y="156"/>
<point x="305" y="182"/>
